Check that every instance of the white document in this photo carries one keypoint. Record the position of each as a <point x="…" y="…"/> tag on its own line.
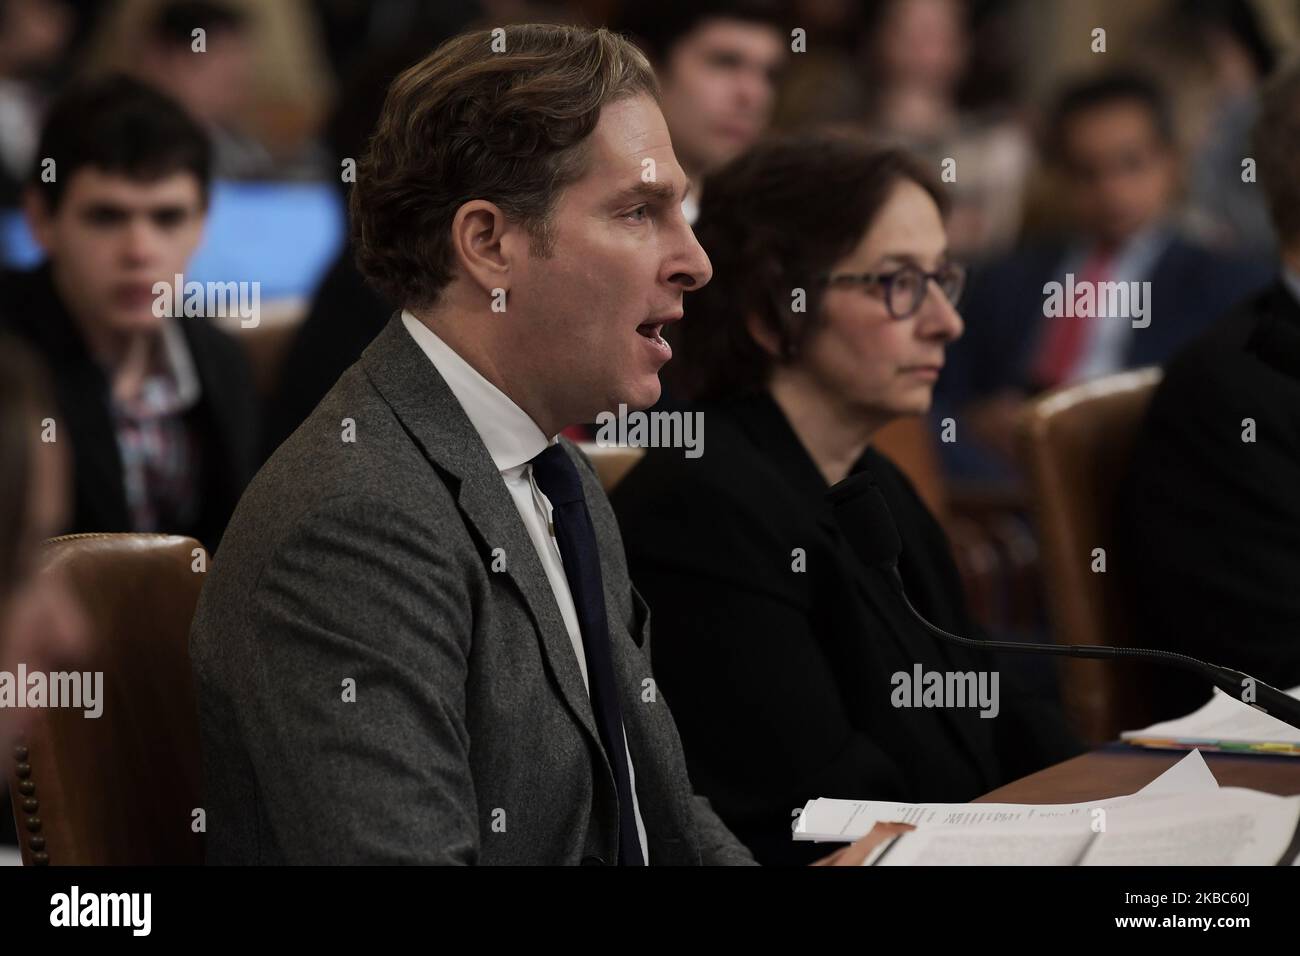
<point x="1231" y="826"/>
<point x="1223" y="718"/>
<point x="847" y="820"/>
<point x="1190" y="775"/>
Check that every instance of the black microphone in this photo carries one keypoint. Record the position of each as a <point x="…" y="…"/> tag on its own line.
<point x="864" y="518"/>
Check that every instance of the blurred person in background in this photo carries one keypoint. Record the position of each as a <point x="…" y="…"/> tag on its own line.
<point x="34" y="35"/>
<point x="214" y="83"/>
<point x="160" y="409"/>
<point x="823" y="84"/>
<point x="1210" y="513"/>
<point x="1215" y="54"/>
<point x="1111" y="141"/>
<point x="260" y="84"/>
<point x="782" y="677"/>
<point x="718" y="64"/>
<point x="920" y="71"/>
<point x="42" y="625"/>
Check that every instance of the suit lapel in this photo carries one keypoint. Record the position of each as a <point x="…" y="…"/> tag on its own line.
<point x="412" y="387"/>
<point x="663" y="794"/>
<point x="488" y="505"/>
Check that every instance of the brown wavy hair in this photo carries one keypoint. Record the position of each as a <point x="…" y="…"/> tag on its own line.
<point x="775" y="220"/>
<point x="469" y="123"/>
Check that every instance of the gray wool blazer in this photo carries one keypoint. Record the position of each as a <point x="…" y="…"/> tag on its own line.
<point x="371" y="690"/>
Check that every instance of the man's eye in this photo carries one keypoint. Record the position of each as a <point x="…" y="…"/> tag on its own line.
<point x="104" y="217"/>
<point x="638" y="214"/>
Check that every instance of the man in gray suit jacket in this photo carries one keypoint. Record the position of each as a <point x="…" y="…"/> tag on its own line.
<point x="407" y="649"/>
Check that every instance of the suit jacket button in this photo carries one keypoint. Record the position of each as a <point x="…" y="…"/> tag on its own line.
<point x="593" y="861"/>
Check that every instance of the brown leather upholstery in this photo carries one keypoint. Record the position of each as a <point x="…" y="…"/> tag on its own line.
<point x="120" y="788"/>
<point x="1076" y="443"/>
<point x="611" y="462"/>
<point x="909" y="443"/>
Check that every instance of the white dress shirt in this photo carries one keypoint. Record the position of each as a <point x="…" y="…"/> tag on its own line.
<point x="513" y="440"/>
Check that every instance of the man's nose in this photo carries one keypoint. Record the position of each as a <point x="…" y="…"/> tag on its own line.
<point x="755" y="89"/>
<point x="690" y="268"/>
<point x="140" y="241"/>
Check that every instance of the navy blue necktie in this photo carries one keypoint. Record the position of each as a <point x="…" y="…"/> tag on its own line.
<point x="558" y="479"/>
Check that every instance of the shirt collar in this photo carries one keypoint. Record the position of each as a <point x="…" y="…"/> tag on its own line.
<point x="511" y="437"/>
<point x="172" y="385"/>
<point x="1138" y="253"/>
<point x="178" y="364"/>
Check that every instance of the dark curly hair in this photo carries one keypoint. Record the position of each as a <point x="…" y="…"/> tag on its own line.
<point x="119" y="125"/>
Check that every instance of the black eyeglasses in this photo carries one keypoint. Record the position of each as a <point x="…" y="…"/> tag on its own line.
<point x="905" y="288"/>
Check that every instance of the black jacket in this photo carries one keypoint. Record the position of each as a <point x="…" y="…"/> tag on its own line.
<point x="345" y="316"/>
<point x="224" y="419"/>
<point x="781" y="679"/>
<point x="1211" y="521"/>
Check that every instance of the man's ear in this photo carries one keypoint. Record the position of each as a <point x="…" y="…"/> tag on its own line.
<point x="485" y="244"/>
<point x="37" y="213"/>
<point x="763" y="334"/>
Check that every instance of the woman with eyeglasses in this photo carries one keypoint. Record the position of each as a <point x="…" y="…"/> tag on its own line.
<point x="793" y="668"/>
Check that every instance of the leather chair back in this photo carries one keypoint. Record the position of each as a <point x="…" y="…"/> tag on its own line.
<point x="1077" y="442"/>
<point x="121" y="788"/>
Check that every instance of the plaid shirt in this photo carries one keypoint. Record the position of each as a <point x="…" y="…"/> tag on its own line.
<point x="160" y="466"/>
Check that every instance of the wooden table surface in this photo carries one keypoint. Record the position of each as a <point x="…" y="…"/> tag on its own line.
<point x="1117" y="770"/>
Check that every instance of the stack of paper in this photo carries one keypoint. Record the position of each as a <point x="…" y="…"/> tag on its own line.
<point x="1228" y="827"/>
<point x="1182" y="817"/>
<point x="1224" y="723"/>
<point x="847" y="820"/>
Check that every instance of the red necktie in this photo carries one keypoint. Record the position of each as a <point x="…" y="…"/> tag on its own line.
<point x="1067" y="336"/>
